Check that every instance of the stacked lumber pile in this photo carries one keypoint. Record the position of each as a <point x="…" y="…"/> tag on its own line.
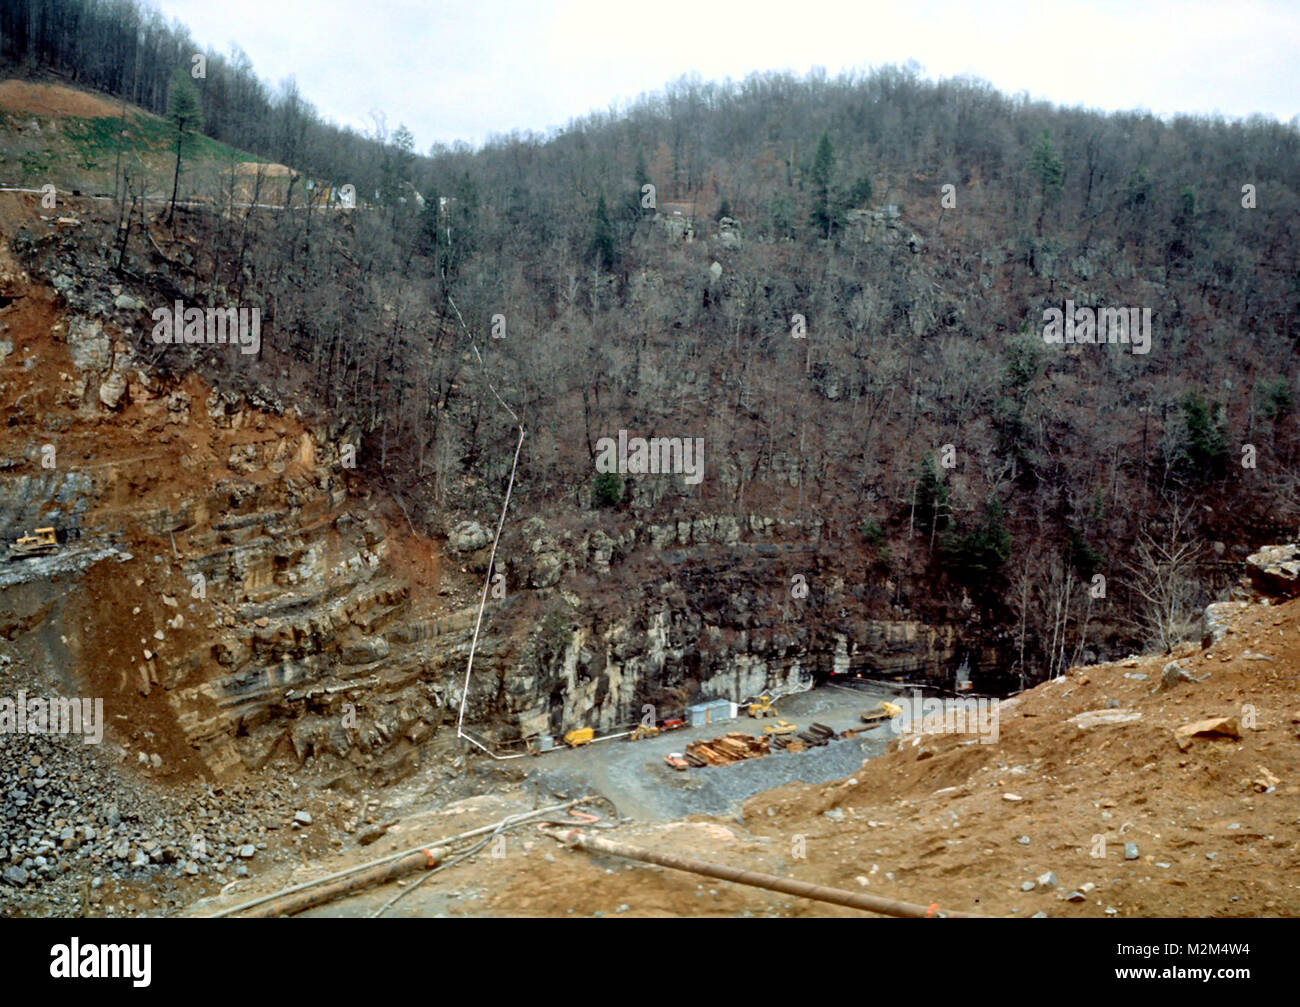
<point x="816" y="735"/>
<point x="734" y="746"/>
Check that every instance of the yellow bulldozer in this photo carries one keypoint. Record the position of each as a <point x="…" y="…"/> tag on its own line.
<point x="762" y="708"/>
<point x="884" y="711"/>
<point x="43" y="541"/>
<point x="643" y="731"/>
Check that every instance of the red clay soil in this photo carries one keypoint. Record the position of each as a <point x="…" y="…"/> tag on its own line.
<point x="143" y="463"/>
<point x="1210" y="842"/>
<point x="26" y="97"/>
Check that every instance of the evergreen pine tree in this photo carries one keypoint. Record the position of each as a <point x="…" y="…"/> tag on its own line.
<point x="604" y="249"/>
<point x="824" y="215"/>
<point x="183" y="111"/>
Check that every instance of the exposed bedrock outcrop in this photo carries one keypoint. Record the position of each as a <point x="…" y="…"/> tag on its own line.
<point x="273" y="619"/>
<point x="223" y="567"/>
<point x="671" y="612"/>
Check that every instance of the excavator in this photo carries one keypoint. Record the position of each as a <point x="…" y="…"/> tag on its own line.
<point x="38" y="544"/>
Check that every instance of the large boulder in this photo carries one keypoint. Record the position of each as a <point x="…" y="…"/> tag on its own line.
<point x="546" y="570"/>
<point x="89" y="344"/>
<point x="467" y="537"/>
<point x="1275" y="570"/>
<point x="178" y="408"/>
<point x="365" y="650"/>
<point x="112" y="388"/>
<point x="1217" y="618"/>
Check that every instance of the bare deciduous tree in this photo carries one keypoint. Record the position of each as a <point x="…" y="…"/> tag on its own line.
<point x="1163" y="577"/>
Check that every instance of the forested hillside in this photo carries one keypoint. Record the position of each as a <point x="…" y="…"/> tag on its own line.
<point x="838" y="283"/>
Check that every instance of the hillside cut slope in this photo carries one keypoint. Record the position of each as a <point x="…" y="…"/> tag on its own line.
<point x="1088" y="804"/>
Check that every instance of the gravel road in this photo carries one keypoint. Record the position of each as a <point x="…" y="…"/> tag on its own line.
<point x="635" y="777"/>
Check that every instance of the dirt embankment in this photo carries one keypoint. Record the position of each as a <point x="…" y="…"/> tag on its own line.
<point x="969" y="825"/>
<point x="31" y="98"/>
<point x="1214" y="825"/>
<point x="1113" y="819"/>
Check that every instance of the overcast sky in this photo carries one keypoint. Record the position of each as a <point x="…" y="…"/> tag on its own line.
<point x="465" y="69"/>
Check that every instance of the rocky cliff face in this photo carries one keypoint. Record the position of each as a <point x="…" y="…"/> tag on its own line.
<point x="216" y="582"/>
<point x="259" y="606"/>
<point x="669" y="613"/>
<point x="238" y="596"/>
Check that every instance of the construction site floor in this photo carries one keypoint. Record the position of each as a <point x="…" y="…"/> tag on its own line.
<point x="635" y="776"/>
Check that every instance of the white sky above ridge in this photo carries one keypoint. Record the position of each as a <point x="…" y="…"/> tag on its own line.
<point x="464" y="70"/>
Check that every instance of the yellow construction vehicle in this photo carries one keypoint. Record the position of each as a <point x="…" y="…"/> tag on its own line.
<point x="780" y="727"/>
<point x="579" y="736"/>
<point x="34" y="545"/>
<point x="763" y="708"/>
<point x="643" y="731"/>
<point x="885" y="710"/>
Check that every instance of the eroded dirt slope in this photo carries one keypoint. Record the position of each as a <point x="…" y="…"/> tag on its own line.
<point x="223" y="584"/>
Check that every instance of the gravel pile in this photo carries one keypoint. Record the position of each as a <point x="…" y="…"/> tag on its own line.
<point x="68" y="826"/>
